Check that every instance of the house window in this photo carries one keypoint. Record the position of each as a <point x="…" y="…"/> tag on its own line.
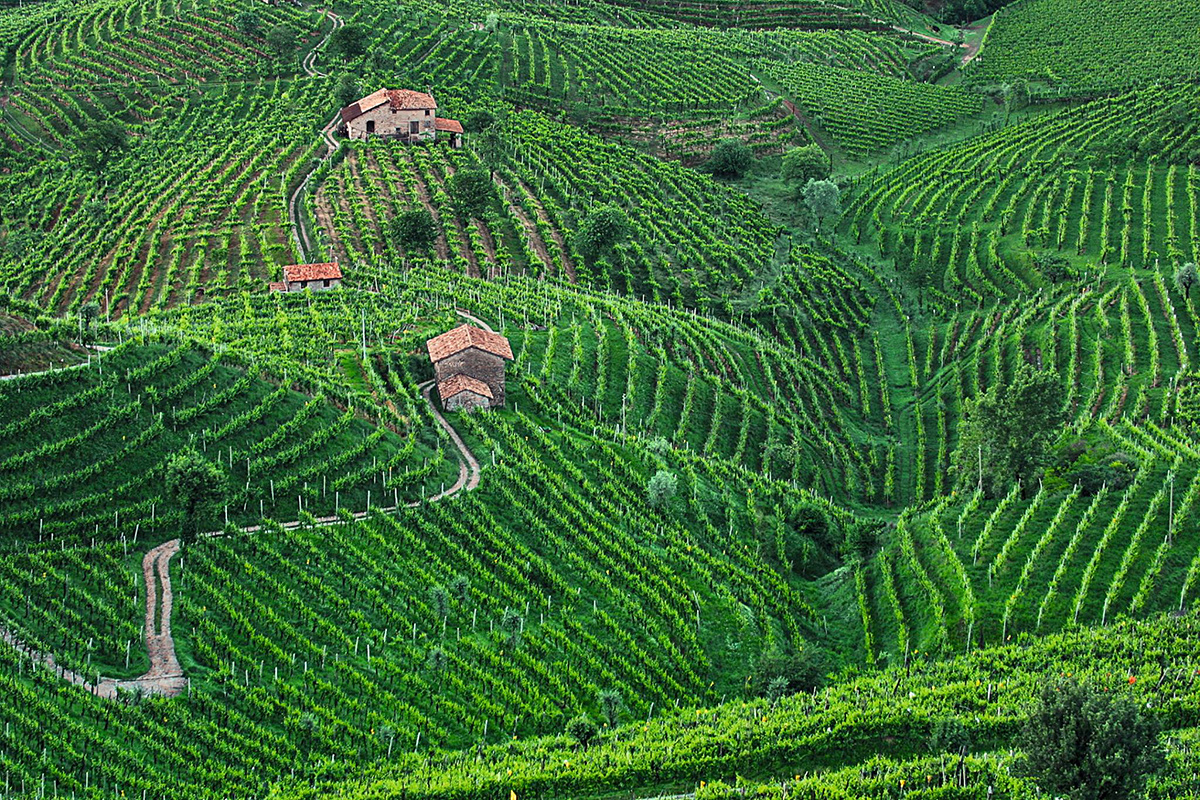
<point x="326" y="283"/>
<point x="427" y="112"/>
<point x="370" y="126"/>
<point x="414" y="127"/>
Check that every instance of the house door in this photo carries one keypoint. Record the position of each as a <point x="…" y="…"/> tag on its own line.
<point x="414" y="127"/>
<point x="370" y="126"/>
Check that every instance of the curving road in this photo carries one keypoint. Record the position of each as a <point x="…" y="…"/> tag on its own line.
<point x="300" y="237"/>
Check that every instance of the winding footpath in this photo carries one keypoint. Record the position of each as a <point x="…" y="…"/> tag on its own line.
<point x="165" y="676"/>
<point x="300" y="235"/>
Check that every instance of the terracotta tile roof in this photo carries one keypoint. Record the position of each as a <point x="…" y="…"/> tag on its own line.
<point x="277" y="286"/>
<point x="448" y="125"/>
<point x="463" y="383"/>
<point x="312" y="272"/>
<point x="407" y="98"/>
<point x="397" y="98"/>
<point x="464" y="337"/>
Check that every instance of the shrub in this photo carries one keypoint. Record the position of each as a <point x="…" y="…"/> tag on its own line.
<point x="731" y="158"/>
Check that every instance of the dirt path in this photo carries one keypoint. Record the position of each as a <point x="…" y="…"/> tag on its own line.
<point x="300" y="236"/>
<point x="974" y="47"/>
<point x="310" y="60"/>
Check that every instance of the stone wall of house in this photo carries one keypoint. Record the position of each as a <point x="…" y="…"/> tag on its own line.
<point x="316" y="286"/>
<point x="479" y="365"/>
<point x="467" y="401"/>
<point x="394" y="123"/>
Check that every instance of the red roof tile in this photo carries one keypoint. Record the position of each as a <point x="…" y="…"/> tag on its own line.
<point x="407" y="98"/>
<point x="465" y="337"/>
<point x="397" y="98"/>
<point x="312" y="272"/>
<point x="277" y="286"/>
<point x="448" y="125"/>
<point x="457" y="384"/>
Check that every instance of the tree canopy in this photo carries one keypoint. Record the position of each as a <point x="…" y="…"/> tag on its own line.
<point x="472" y="191"/>
<point x="197" y="487"/>
<point x="823" y="199"/>
<point x="414" y="229"/>
<point x="1008" y="431"/>
<point x="731" y="158"/>
<point x="602" y="228"/>
<point x="804" y="164"/>
<point x="281" y="39"/>
<point x="1082" y="743"/>
<point x="101" y="143"/>
<point x="348" y="41"/>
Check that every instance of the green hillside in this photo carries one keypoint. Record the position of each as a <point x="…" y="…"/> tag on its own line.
<point x="1082" y="47"/>
<point x="851" y="402"/>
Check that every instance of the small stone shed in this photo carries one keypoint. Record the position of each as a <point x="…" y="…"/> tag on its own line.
<point x="467" y="361"/>
<point x="464" y="393"/>
<point x="316" y="277"/>
<point x="400" y="114"/>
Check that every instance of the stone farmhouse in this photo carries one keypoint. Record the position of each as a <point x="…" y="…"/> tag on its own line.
<point x="315" y="277"/>
<point x="469" y="365"/>
<point x="400" y="114"/>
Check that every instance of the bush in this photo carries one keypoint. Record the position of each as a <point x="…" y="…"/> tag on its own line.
<point x="662" y="487"/>
<point x="1085" y="744"/>
<point x="414" y="229"/>
<point x="804" y="164"/>
<point x="731" y="158"/>
<point x="602" y="228"/>
<point x="472" y="191"/>
<point x="583" y="730"/>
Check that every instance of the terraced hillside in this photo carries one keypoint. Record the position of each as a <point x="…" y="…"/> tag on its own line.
<point x="735" y="531"/>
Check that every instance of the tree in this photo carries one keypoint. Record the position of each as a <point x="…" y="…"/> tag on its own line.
<point x="603" y="227"/>
<point x="346" y="89"/>
<point x="1085" y="744"/>
<point x="196" y="486"/>
<point x="348" y="41"/>
<point x="804" y="164"/>
<point x="478" y="121"/>
<point x="101" y="142"/>
<point x="731" y="158"/>
<point x="776" y="689"/>
<point x="1008" y="431"/>
<point x="440" y="599"/>
<point x="414" y="229"/>
<point x="662" y="487"/>
<point x="823" y="199"/>
<point x="800" y="672"/>
<point x="460" y="587"/>
<point x="88" y="314"/>
<point x="512" y="623"/>
<point x="610" y="706"/>
<point x="436" y="661"/>
<point x="583" y="730"/>
<point x="1186" y="276"/>
<point x="949" y="736"/>
<point x="472" y="191"/>
<point x="247" y="22"/>
<point x="281" y="39"/>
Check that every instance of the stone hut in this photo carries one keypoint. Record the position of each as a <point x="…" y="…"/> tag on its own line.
<point x="317" y="277"/>
<point x="464" y="393"/>
<point x="400" y="114"/>
<point x="467" y="361"/>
